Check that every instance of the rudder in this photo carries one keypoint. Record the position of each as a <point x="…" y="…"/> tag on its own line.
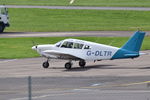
<point x="135" y="42"/>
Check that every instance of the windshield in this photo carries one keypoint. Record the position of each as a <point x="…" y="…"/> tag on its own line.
<point x="4" y="11"/>
<point x="58" y="44"/>
<point x="67" y="44"/>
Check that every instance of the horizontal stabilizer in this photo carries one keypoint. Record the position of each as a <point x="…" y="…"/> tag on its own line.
<point x="143" y="53"/>
<point x="131" y="55"/>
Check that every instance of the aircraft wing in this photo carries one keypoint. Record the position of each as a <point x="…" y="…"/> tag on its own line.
<point x="60" y="54"/>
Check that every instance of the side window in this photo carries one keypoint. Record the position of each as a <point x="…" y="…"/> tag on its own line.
<point x="70" y="45"/>
<point x="67" y="45"/>
<point x="64" y="45"/>
<point x="78" y="46"/>
<point x="87" y="47"/>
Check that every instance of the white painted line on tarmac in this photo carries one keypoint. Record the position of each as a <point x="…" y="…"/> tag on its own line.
<point x="97" y="84"/>
<point x="42" y="96"/>
<point x="5" y="61"/>
<point x="81" y="90"/>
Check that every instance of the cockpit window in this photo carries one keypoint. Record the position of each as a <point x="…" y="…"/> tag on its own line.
<point x="67" y="44"/>
<point x="78" y="46"/>
<point x="87" y="47"/>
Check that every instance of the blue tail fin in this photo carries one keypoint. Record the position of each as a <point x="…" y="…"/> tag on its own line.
<point x="131" y="48"/>
<point x="135" y="42"/>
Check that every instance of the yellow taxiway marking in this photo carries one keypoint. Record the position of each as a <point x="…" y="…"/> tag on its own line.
<point x="136" y="83"/>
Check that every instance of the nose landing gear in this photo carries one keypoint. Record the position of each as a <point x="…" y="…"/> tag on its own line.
<point x="46" y="64"/>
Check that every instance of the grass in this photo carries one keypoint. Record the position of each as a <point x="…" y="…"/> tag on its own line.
<point x="45" y="20"/>
<point x="21" y="47"/>
<point x="111" y="3"/>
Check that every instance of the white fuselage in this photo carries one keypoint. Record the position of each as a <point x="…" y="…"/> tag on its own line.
<point x="94" y="51"/>
<point x="74" y="49"/>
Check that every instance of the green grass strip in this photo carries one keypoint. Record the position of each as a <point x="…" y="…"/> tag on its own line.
<point x="110" y="3"/>
<point x="21" y="47"/>
<point x="45" y="20"/>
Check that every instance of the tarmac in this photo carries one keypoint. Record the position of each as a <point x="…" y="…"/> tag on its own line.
<point x="126" y="79"/>
<point x="77" y="88"/>
<point x="33" y="67"/>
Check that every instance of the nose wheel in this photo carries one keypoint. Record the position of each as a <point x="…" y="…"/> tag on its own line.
<point x="45" y="64"/>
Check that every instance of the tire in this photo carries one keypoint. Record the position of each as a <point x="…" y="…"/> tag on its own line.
<point x="82" y="63"/>
<point x="68" y="65"/>
<point x="45" y="64"/>
<point x="2" y="27"/>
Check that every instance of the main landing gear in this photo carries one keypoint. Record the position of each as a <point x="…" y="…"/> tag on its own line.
<point x="68" y="65"/>
<point x="82" y="63"/>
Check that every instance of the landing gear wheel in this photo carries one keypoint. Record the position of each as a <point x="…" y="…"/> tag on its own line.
<point x="68" y="65"/>
<point x="45" y="64"/>
<point x="82" y="63"/>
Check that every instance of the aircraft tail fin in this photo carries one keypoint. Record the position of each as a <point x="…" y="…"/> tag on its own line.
<point x="135" y="42"/>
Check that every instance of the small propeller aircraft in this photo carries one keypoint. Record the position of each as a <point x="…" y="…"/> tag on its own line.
<point x="82" y="51"/>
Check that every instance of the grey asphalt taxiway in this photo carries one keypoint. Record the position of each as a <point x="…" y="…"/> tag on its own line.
<point x="69" y="34"/>
<point x="81" y="7"/>
<point x="126" y="79"/>
<point x="77" y="88"/>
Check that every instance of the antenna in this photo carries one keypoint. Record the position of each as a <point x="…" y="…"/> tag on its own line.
<point x="138" y="29"/>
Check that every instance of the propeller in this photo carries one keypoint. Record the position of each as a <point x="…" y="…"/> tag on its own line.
<point x="35" y="46"/>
